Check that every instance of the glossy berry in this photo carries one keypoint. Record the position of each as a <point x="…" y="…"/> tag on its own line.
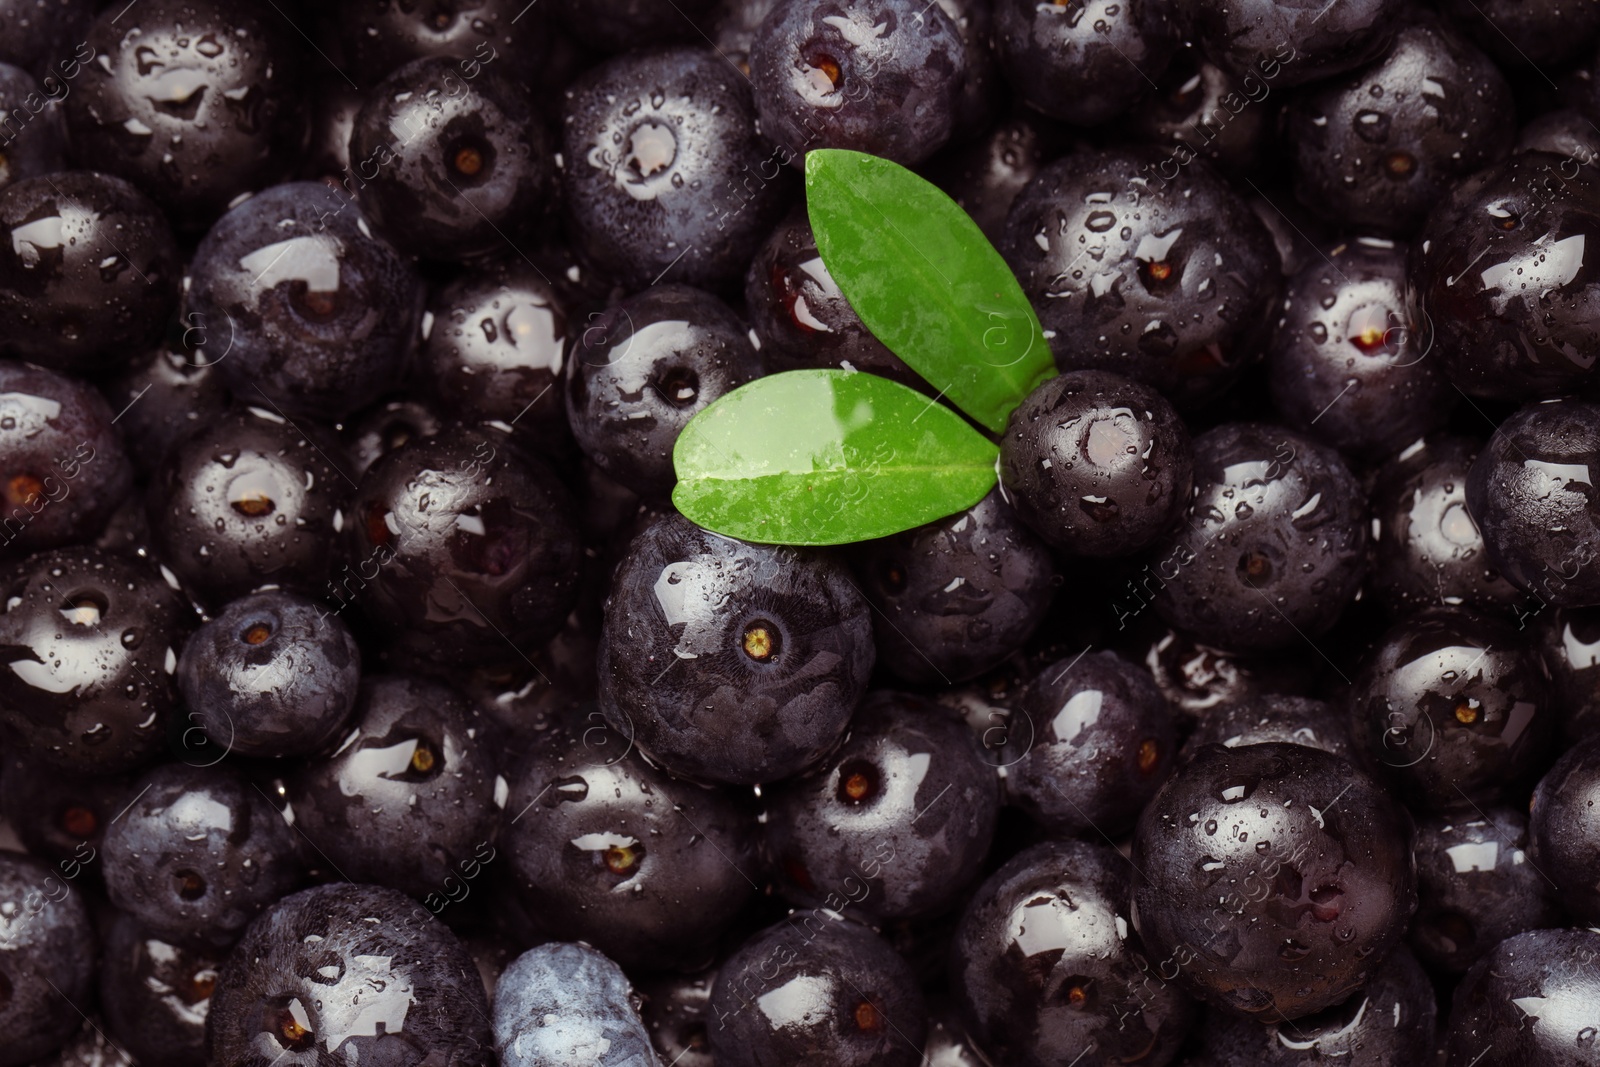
<point x="1452" y="706"/>
<point x="559" y="1004"/>
<point x="325" y="966"/>
<point x="1045" y="964"/>
<point x="1562" y="823"/>
<point x="461" y="548"/>
<point x="64" y="469"/>
<point x="604" y="847"/>
<point x="1082" y="62"/>
<point x="89" y="274"/>
<point x="1550" y="971"/>
<point x="730" y="661"/>
<point x="249" y="500"/>
<point x="1498" y="272"/>
<point x="274" y="674"/>
<point x="449" y="169"/>
<point x="955" y="597"/>
<point x="664" y="175"/>
<point x="1348" y="364"/>
<point x="1282" y="46"/>
<point x="32" y="138"/>
<point x="1102" y="741"/>
<point x="91" y="640"/>
<point x="1477" y="885"/>
<point x="198" y="854"/>
<point x="495" y="348"/>
<point x="1181" y="279"/>
<point x="1532" y="492"/>
<point x="1096" y="464"/>
<point x="641" y="370"/>
<point x="194" y="101"/>
<point x="1272" y="546"/>
<point x="47" y="958"/>
<point x="896" y="823"/>
<point x="303" y="309"/>
<point x="880" y="76"/>
<point x="1379" y="147"/>
<point x="411" y="796"/>
<point x="1258" y="718"/>
<point x="1427" y="551"/>
<point x="1274" y="915"/>
<point x="155" y="994"/>
<point x="800" y="315"/>
<point x="1390" y="1023"/>
<point x="860" y="1006"/>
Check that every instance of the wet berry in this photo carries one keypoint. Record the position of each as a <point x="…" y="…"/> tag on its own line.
<point x="640" y="371"/>
<point x="878" y="76"/>
<point x="956" y="597"/>
<point x="448" y="169"/>
<point x="198" y="854"/>
<point x="1181" y="283"/>
<point x="250" y="500"/>
<point x="1452" y="706"/>
<point x="1102" y="741"/>
<point x="730" y="661"/>
<point x="895" y="824"/>
<point x="89" y="273"/>
<point x="461" y="548"/>
<point x="1532" y="492"/>
<point x="1278" y="873"/>
<point x="1272" y="546"/>
<point x="1096" y="464"/>
<point x="194" y="101"/>
<point x="274" y="674"/>
<point x="303" y="309"/>
<point x="1045" y="962"/>
<point x="664" y="176"/>
<point x="320" y="968"/>
<point x="411" y="796"/>
<point x="91" y="642"/>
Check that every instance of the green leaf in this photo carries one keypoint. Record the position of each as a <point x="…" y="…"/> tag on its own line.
<point x="826" y="457"/>
<point x="926" y="282"/>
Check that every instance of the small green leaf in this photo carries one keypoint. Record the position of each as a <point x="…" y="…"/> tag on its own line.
<point x="826" y="457"/>
<point x="926" y="282"/>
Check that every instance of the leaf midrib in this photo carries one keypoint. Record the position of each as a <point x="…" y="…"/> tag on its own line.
<point x="896" y="468"/>
<point x="921" y="265"/>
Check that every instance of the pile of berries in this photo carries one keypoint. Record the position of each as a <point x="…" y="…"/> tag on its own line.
<point x="365" y="701"/>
